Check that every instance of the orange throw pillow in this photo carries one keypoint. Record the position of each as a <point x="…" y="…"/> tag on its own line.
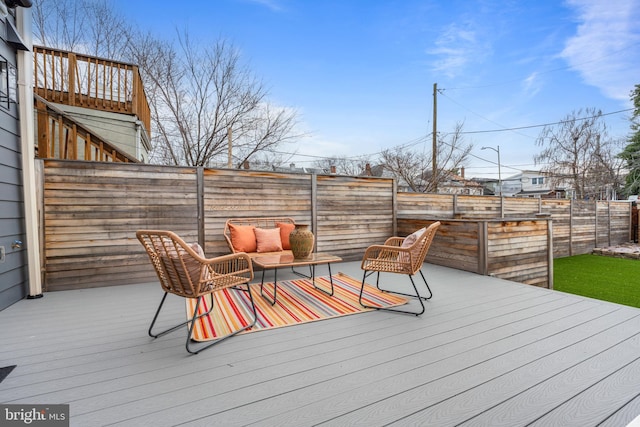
<point x="243" y="238"/>
<point x="285" y="230"/>
<point x="268" y="239"/>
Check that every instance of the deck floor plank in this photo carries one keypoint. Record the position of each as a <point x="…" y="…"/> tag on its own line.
<point x="331" y="364"/>
<point x="626" y="414"/>
<point x="600" y="396"/>
<point x="486" y="352"/>
<point x="435" y="378"/>
<point x="538" y="386"/>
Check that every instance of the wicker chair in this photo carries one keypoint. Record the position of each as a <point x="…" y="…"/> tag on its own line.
<point x="401" y="256"/>
<point x="184" y="271"/>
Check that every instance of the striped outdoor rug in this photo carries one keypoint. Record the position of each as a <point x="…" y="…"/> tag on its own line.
<point x="298" y="302"/>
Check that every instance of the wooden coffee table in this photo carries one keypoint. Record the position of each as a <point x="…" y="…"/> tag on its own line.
<point x="276" y="261"/>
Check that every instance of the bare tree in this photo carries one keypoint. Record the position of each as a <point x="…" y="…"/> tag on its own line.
<point x="416" y="168"/>
<point x="204" y="102"/>
<point x="577" y="152"/>
<point x="408" y="167"/>
<point x="608" y="180"/>
<point x="202" y="99"/>
<point x="91" y="27"/>
<point x="108" y="32"/>
<point x="264" y="129"/>
<point x="58" y="23"/>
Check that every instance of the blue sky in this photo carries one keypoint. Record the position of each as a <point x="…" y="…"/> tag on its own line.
<point x="360" y="73"/>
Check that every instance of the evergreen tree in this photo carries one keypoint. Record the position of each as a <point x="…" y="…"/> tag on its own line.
<point x="631" y="153"/>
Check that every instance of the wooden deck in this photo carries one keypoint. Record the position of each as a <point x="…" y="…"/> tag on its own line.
<point x="486" y="352"/>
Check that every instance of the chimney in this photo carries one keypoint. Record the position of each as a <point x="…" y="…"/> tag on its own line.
<point x="246" y="164"/>
<point x="367" y="170"/>
<point x="462" y="172"/>
<point x="333" y="169"/>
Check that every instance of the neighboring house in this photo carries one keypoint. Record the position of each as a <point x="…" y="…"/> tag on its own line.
<point x="538" y="184"/>
<point x="19" y="245"/>
<point x="89" y="108"/>
<point x="83" y="107"/>
<point x="292" y="168"/>
<point x="529" y="183"/>
<point x="508" y="187"/>
<point x="458" y="184"/>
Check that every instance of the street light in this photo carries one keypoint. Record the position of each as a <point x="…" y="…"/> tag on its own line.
<point x="497" y="150"/>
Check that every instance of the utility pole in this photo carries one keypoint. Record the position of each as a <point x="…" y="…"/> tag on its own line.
<point x="434" y="170"/>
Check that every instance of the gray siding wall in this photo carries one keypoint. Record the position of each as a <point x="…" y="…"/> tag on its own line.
<point x="13" y="271"/>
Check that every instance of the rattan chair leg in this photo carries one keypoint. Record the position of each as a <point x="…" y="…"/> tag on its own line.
<point x="416" y="295"/>
<point x="212" y="343"/>
<point x="173" y="328"/>
<point x="410" y="295"/>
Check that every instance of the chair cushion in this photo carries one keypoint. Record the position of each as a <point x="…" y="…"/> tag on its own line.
<point x="409" y="241"/>
<point x="197" y="249"/>
<point x="268" y="239"/>
<point x="171" y="260"/>
<point x="285" y="231"/>
<point x="243" y="238"/>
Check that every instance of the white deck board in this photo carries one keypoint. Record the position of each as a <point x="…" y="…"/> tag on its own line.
<point x="486" y="352"/>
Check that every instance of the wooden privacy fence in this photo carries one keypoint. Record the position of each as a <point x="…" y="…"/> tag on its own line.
<point x="578" y="226"/>
<point x="518" y="250"/>
<point x="90" y="212"/>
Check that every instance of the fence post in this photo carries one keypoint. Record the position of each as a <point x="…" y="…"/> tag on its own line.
<point x="200" y="204"/>
<point x="455" y="205"/>
<point x="314" y="208"/>
<point x="394" y="206"/>
<point x="483" y="248"/>
<point x="595" y="226"/>
<point x="550" y="252"/>
<point x="39" y="179"/>
<point x="633" y="226"/>
<point x="571" y="227"/>
<point x="609" y="222"/>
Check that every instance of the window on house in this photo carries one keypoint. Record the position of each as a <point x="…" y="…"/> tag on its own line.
<point x="12" y="83"/>
<point x="8" y="83"/>
<point x="537" y="180"/>
<point x="4" y="81"/>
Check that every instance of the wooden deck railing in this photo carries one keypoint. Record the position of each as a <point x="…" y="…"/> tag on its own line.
<point x="61" y="137"/>
<point x="90" y="82"/>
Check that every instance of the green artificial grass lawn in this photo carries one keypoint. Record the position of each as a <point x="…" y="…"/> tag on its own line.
<point x="601" y="277"/>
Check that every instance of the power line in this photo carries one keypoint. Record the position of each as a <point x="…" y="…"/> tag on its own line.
<point x="423" y="139"/>
<point x="546" y="124"/>
<point x="479" y="115"/>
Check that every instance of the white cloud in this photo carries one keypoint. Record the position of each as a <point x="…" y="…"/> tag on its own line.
<point x="455" y="48"/>
<point x="606" y="47"/>
<point x="274" y="5"/>
<point x="532" y="84"/>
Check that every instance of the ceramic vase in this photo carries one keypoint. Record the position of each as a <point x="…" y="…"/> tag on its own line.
<point x="301" y="240"/>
